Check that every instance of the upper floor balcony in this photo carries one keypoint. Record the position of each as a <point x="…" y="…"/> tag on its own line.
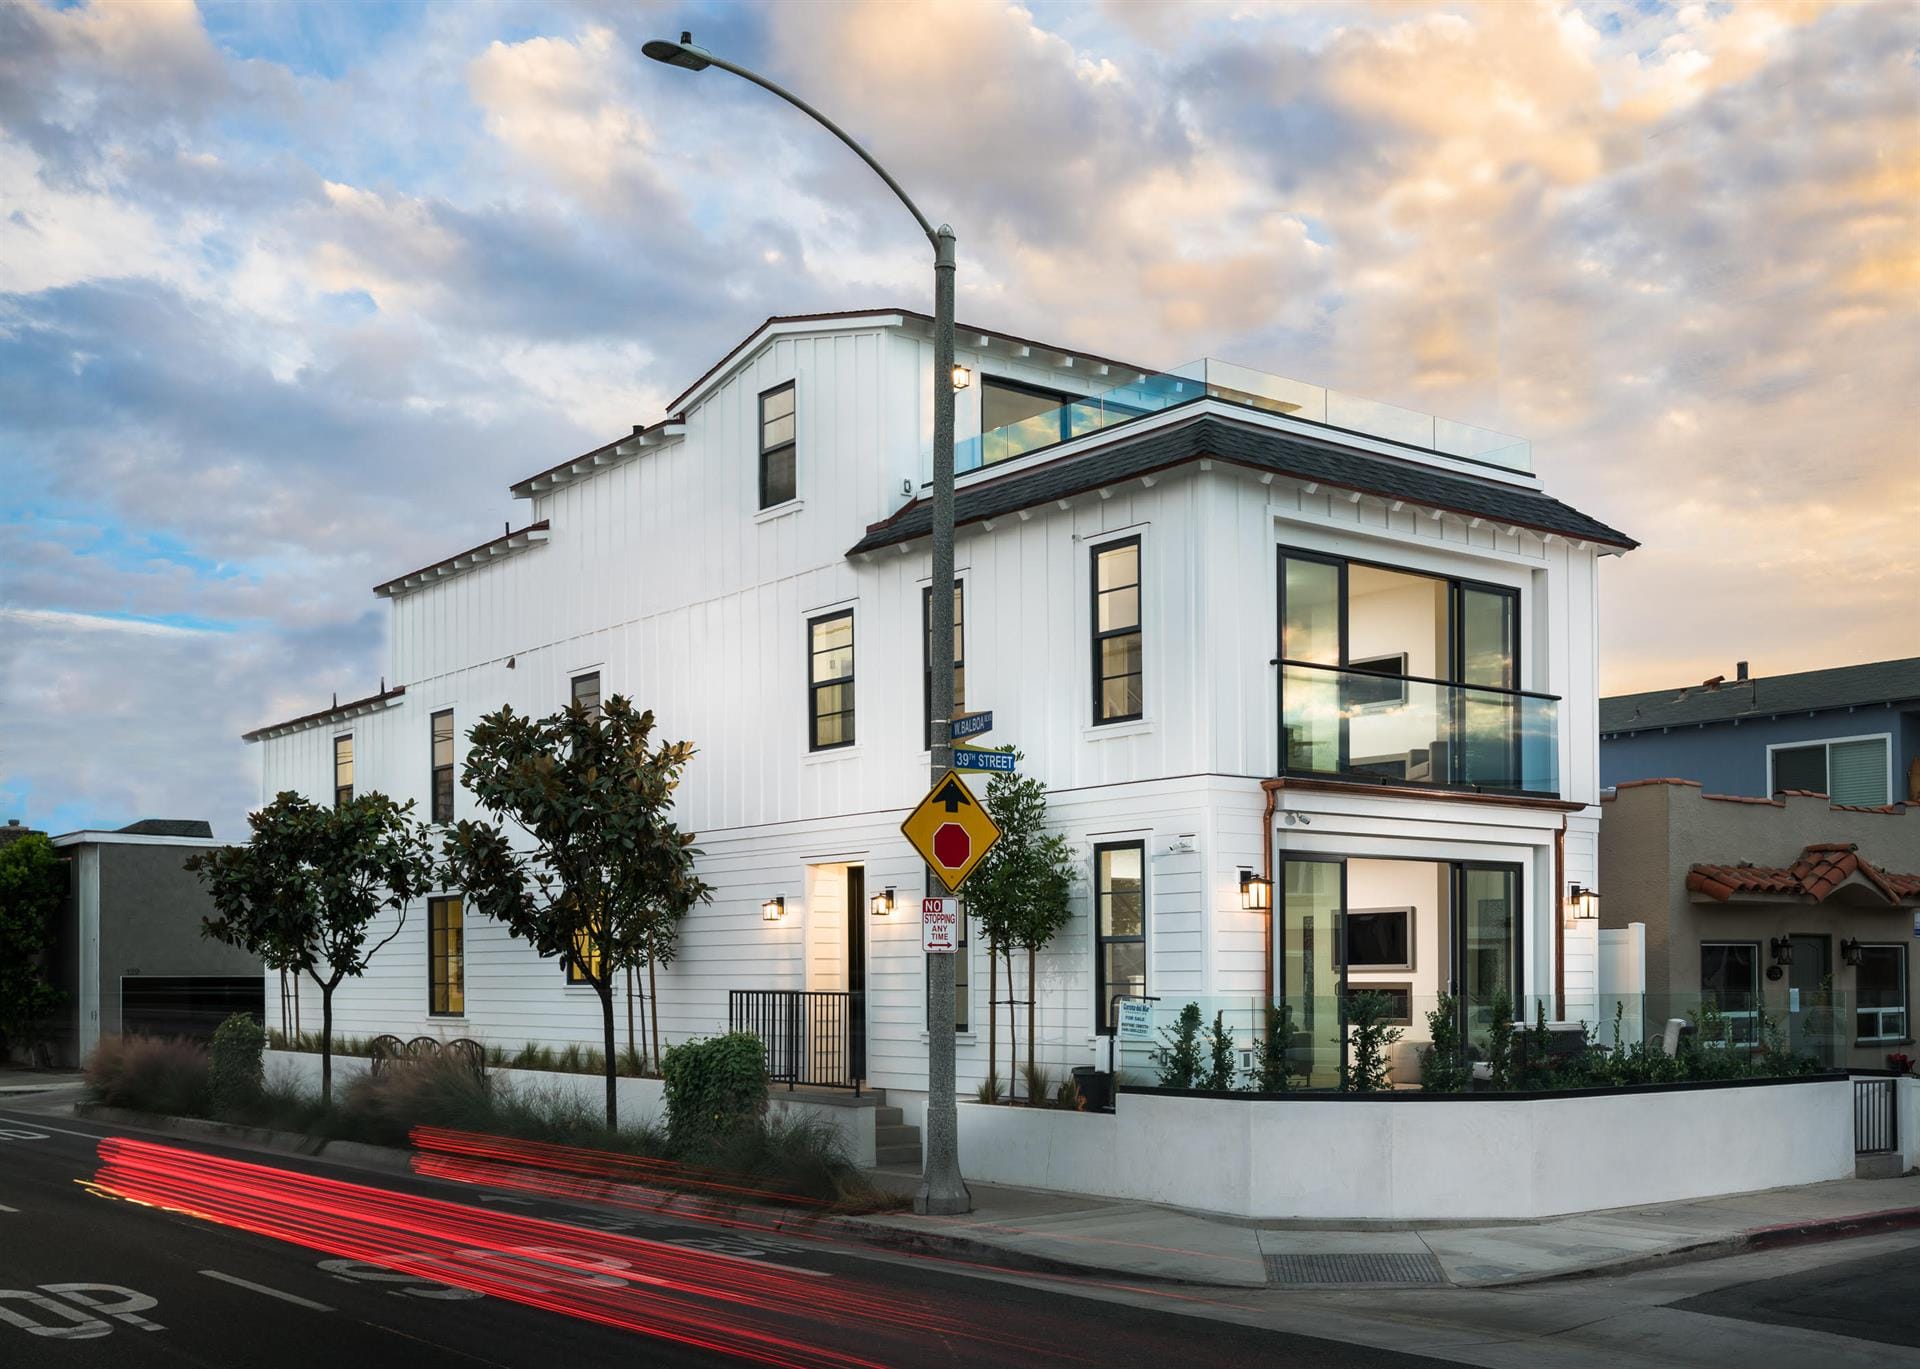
<point x="1018" y="419"/>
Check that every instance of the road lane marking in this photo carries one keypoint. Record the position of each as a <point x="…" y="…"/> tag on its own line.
<point x="5" y="1208"/>
<point x="83" y="1135"/>
<point x="270" y="1292"/>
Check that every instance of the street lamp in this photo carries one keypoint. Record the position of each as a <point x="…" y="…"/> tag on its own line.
<point x="942" y="1190"/>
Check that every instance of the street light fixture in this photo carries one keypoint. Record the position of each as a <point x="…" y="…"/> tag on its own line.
<point x="942" y="1191"/>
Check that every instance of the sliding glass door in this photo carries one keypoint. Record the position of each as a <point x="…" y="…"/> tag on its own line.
<point x="1312" y="908"/>
<point x="1486" y="946"/>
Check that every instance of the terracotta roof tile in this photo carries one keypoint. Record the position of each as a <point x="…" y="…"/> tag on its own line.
<point x="1743" y="798"/>
<point x="1635" y="784"/>
<point x="1822" y="868"/>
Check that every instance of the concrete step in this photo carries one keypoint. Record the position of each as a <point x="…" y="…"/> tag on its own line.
<point x="1878" y="1166"/>
<point x="887" y="1115"/>
<point x="898" y="1155"/>
<point x="896" y="1135"/>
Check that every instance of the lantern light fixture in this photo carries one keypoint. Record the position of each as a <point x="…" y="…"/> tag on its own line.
<point x="1850" y="951"/>
<point x="1585" y="903"/>
<point x="1782" y="949"/>
<point x="881" y="904"/>
<point x="1256" y="891"/>
<point x="774" y="908"/>
<point x="962" y="377"/>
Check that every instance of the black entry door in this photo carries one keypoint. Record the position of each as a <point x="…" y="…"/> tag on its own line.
<point x="857" y="969"/>
<point x="1812" y="1020"/>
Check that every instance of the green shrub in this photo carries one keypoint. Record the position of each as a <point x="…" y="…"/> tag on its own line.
<point x="1368" y="1034"/>
<point x="1500" y="1042"/>
<point x="1220" y="1066"/>
<point x="166" y="1075"/>
<point x="1443" y="1065"/>
<point x="237" y="1075"/>
<point x="989" y="1090"/>
<point x="714" y="1087"/>
<point x="1274" y="1070"/>
<point x="1179" y="1054"/>
<point x="1039" y="1083"/>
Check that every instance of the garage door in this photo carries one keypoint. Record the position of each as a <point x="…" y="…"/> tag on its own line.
<point x="187" y="1005"/>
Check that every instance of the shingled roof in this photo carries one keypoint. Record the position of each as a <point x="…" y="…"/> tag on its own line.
<point x="1806" y="691"/>
<point x="1209" y="436"/>
<point x="1822" y="868"/>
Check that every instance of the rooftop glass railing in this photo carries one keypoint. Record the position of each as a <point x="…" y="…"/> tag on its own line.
<point x="1207" y="378"/>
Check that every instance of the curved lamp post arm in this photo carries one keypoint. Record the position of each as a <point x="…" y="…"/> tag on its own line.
<point x="685" y="54"/>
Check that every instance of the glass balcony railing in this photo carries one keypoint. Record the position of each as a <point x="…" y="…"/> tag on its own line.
<point x="1353" y="724"/>
<point x="1208" y="378"/>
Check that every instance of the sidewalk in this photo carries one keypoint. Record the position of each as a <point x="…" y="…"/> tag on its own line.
<point x="1066" y="1232"/>
<point x="15" y="1083"/>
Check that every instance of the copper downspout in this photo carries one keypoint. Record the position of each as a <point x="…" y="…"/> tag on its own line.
<point x="1559" y="922"/>
<point x="1266" y="867"/>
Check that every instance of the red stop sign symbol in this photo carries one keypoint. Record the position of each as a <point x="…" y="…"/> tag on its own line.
<point x="952" y="845"/>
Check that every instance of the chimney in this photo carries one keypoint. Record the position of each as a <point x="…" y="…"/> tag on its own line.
<point x="1740" y="671"/>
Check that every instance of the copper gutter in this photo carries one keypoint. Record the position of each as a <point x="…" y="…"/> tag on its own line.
<point x="1559" y="922"/>
<point x="1266" y="867"/>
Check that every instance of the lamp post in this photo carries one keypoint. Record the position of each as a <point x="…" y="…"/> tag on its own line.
<point x="942" y="1190"/>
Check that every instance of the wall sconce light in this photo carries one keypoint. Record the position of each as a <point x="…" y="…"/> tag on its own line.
<point x="1256" y="891"/>
<point x="962" y="377"/>
<point x="1584" y="902"/>
<point x="774" y="908"/>
<point x="1850" y="950"/>
<point x="1782" y="949"/>
<point x="881" y="904"/>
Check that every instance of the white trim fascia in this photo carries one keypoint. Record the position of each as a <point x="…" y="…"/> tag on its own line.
<point x="89" y="837"/>
<point x="1829" y="742"/>
<point x="730" y="365"/>
<point x="645" y="440"/>
<point x="331" y="718"/>
<point x="485" y="554"/>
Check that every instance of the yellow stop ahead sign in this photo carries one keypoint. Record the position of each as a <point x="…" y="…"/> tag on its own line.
<point x="950" y="830"/>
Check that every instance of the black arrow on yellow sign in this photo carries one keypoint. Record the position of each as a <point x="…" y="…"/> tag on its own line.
<point x="952" y="795"/>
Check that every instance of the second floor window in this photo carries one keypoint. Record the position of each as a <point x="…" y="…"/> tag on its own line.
<point x="343" y="770"/>
<point x="778" y="482"/>
<point x="1851" y="772"/>
<point x="830" y="681"/>
<point x="1117" y="653"/>
<point x="926" y="659"/>
<point x="446" y="957"/>
<point x="443" y="766"/>
<point x="586" y="692"/>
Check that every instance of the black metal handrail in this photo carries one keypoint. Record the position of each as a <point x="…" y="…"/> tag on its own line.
<point x="1876" y="1124"/>
<point x="813" y="1037"/>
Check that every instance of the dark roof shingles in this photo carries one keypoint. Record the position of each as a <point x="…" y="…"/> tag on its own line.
<point x="1807" y="691"/>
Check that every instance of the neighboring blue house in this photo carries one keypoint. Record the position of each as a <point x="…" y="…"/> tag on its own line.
<point x="1851" y="733"/>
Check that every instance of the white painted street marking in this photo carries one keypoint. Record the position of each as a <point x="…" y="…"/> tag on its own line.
<point x="64" y="1131"/>
<point x="21" y="1134"/>
<point x="5" y="1208"/>
<point x="270" y="1292"/>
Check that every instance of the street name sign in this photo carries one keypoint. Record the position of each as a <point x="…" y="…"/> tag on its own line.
<point x="979" y="758"/>
<point x="939" y="925"/>
<point x="950" y="830"/>
<point x="972" y="725"/>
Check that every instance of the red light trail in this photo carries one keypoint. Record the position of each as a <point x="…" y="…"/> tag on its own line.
<point x="728" y="1305"/>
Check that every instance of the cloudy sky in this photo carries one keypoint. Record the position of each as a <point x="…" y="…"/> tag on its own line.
<point x="290" y="292"/>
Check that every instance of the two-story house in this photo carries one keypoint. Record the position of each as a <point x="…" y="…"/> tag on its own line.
<point x="1311" y="683"/>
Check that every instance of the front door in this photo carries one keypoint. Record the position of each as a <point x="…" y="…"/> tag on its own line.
<point x="1812" y="1016"/>
<point x="857" y="971"/>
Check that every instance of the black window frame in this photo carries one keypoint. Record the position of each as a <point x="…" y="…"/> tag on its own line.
<point x="791" y="447"/>
<point x="926" y="658"/>
<point x="343" y="793"/>
<point x="573" y="690"/>
<point x="814" y="686"/>
<point x="1751" y="1036"/>
<point x="576" y="977"/>
<point x="1139" y="629"/>
<point x="440" y="773"/>
<point x="1105" y="1012"/>
<point x="440" y="957"/>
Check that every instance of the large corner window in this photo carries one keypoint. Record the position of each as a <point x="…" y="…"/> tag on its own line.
<point x="586" y="692"/>
<point x="343" y="770"/>
<point x="1016" y="419"/>
<point x="1117" y="650"/>
<point x="442" y="762"/>
<point x="1119" y="927"/>
<point x="446" y="957"/>
<point x="926" y="659"/>
<point x="830" y="681"/>
<point x="1730" y="980"/>
<point x="778" y="482"/>
<point x="1850" y="771"/>
<point x="1880" y="995"/>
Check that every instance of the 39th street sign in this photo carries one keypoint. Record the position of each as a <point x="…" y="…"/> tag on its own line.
<point x="979" y="758"/>
<point x="950" y="830"/>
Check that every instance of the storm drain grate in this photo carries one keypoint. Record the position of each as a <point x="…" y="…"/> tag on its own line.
<point x="1395" y="1269"/>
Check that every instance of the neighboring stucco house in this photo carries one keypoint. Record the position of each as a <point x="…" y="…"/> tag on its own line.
<point x="1791" y="903"/>
<point x="1852" y="733"/>
<point x="128" y="954"/>
<point x="1311" y="682"/>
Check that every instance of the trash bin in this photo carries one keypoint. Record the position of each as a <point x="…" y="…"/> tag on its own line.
<point x="1096" y="1087"/>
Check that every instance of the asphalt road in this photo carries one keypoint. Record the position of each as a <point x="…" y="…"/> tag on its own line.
<point x="120" y="1247"/>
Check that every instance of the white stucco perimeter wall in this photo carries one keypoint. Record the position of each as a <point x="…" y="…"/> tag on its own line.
<point x="1423" y="1159"/>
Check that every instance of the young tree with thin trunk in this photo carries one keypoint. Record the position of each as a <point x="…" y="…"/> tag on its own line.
<point x="599" y="868"/>
<point x="1021" y="889"/>
<point x="305" y="892"/>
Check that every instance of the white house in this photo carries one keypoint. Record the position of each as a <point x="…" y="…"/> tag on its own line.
<point x="1244" y="629"/>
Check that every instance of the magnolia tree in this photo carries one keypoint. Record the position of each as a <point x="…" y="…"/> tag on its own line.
<point x="33" y="879"/>
<point x="1020" y="894"/>
<point x="597" y="872"/>
<point x="305" y="893"/>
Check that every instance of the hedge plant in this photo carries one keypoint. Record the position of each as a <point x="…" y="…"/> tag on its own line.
<point x="237" y="1076"/>
<point x="714" y="1088"/>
